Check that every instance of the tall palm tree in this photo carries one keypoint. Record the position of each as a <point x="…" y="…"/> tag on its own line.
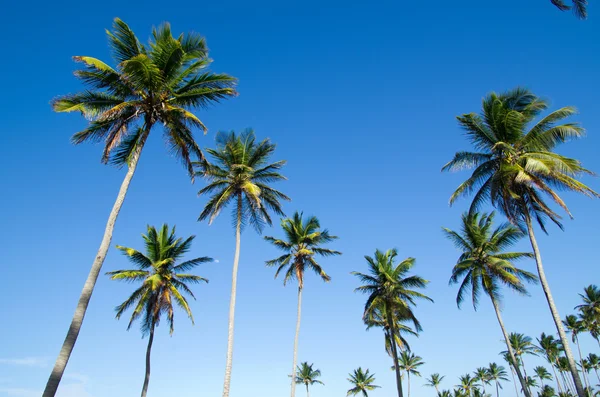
<point x="240" y="174"/>
<point x="483" y="376"/>
<point x="575" y="327"/>
<point x="435" y="380"/>
<point x="542" y="374"/>
<point x="516" y="169"/>
<point x="377" y="317"/>
<point x="467" y="384"/>
<point x="551" y="348"/>
<point x="522" y="345"/>
<point x="362" y="382"/>
<point x="306" y="375"/>
<point x="156" y="84"/>
<point x="547" y="391"/>
<point x="497" y="373"/>
<point x="445" y="393"/>
<point x="563" y="367"/>
<point x="510" y="362"/>
<point x="579" y="7"/>
<point x="388" y="283"/>
<point x="531" y="382"/>
<point x="590" y="311"/>
<point x="590" y="322"/>
<point x="409" y="363"/>
<point x="484" y="265"/>
<point x="303" y="241"/>
<point x="163" y="282"/>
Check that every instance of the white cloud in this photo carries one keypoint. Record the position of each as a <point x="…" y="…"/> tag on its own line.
<point x="27" y="361"/>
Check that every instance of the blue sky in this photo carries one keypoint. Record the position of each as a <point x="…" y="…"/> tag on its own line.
<point x="361" y="99"/>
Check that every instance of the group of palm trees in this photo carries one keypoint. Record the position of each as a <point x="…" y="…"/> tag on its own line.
<point x="515" y="170"/>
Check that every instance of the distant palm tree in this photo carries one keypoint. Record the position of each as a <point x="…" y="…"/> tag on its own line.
<point x="409" y="363"/>
<point x="484" y="265"/>
<point x="516" y="167"/>
<point x="563" y="368"/>
<point x="377" y="317"/>
<point x="594" y="361"/>
<point x="510" y="362"/>
<point x="497" y="373"/>
<point x="445" y="393"/>
<point x="542" y="374"/>
<point x="575" y="327"/>
<point x="303" y="241"/>
<point x="522" y="345"/>
<point x="362" y="382"/>
<point x="163" y="282"/>
<point x="435" y="380"/>
<point x="160" y="84"/>
<point x="467" y="384"/>
<point x="531" y="382"/>
<point x="240" y="174"/>
<point x="551" y="348"/>
<point x="579" y="7"/>
<point x="483" y="376"/>
<point x="306" y="375"/>
<point x="547" y="391"/>
<point x="387" y="283"/>
<point x="590" y="311"/>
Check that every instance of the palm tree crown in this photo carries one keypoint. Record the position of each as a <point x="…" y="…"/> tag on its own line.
<point x="515" y="164"/>
<point x="303" y="242"/>
<point x="483" y="264"/>
<point x="163" y="280"/>
<point x="306" y="375"/>
<point x="161" y="82"/>
<point x="362" y="382"/>
<point x="579" y="7"/>
<point x="240" y="172"/>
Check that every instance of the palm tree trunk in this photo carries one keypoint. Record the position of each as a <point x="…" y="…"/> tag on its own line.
<point x="88" y="288"/>
<point x="583" y="372"/>
<point x="408" y="383"/>
<point x="512" y="372"/>
<point x="525" y="373"/>
<point x="556" y="377"/>
<point x="307" y="393"/>
<point x="148" y="350"/>
<point x="597" y="376"/>
<point x="510" y="350"/>
<point x="296" y="342"/>
<point x="552" y="306"/>
<point x="498" y="389"/>
<point x="395" y="352"/>
<point x="483" y="385"/>
<point x="236" y="260"/>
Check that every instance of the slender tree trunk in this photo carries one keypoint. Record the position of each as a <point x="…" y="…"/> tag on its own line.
<point x="296" y="342"/>
<point x="552" y="306"/>
<point x="408" y="383"/>
<point x="148" y="351"/>
<point x="556" y="377"/>
<point x="510" y="350"/>
<point x="583" y="372"/>
<point x="88" y="288"/>
<point x="307" y="393"/>
<point x="512" y="372"/>
<point x="597" y="376"/>
<point x="525" y="373"/>
<point x="395" y="352"/>
<point x="437" y="390"/>
<point x="483" y="385"/>
<point x="236" y="260"/>
<point x="498" y="389"/>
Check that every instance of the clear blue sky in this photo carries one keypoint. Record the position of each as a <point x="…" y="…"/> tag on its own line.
<point x="361" y="99"/>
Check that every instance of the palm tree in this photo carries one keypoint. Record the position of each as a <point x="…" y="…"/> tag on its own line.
<point x="445" y="393"/>
<point x="240" y="174"/>
<point x="590" y="311"/>
<point x="542" y="374"/>
<point x="509" y="361"/>
<point x="575" y="327"/>
<point x="551" y="348"/>
<point x="306" y="375"/>
<point x="409" y="363"/>
<point x="579" y="7"/>
<point x="361" y="382"/>
<point x="377" y="317"/>
<point x="435" y="380"/>
<point x="484" y="265"/>
<point x="590" y="322"/>
<point x="497" y="373"/>
<point x="482" y="375"/>
<point x="303" y="240"/>
<point x="547" y="391"/>
<point x="163" y="282"/>
<point x="522" y="345"/>
<point x="388" y="283"/>
<point x="467" y="384"/>
<point x="531" y="382"/>
<point x="563" y="367"/>
<point x="516" y="166"/>
<point x="159" y="84"/>
<point x="594" y="361"/>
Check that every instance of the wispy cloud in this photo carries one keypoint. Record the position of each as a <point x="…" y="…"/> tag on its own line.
<point x="27" y="361"/>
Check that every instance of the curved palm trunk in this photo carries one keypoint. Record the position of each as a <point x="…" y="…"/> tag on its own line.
<point x="148" y="351"/>
<point x="510" y="351"/>
<point x="296" y="343"/>
<point x="553" y="309"/>
<point x="395" y="353"/>
<point x="88" y="288"/>
<point x="236" y="260"/>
